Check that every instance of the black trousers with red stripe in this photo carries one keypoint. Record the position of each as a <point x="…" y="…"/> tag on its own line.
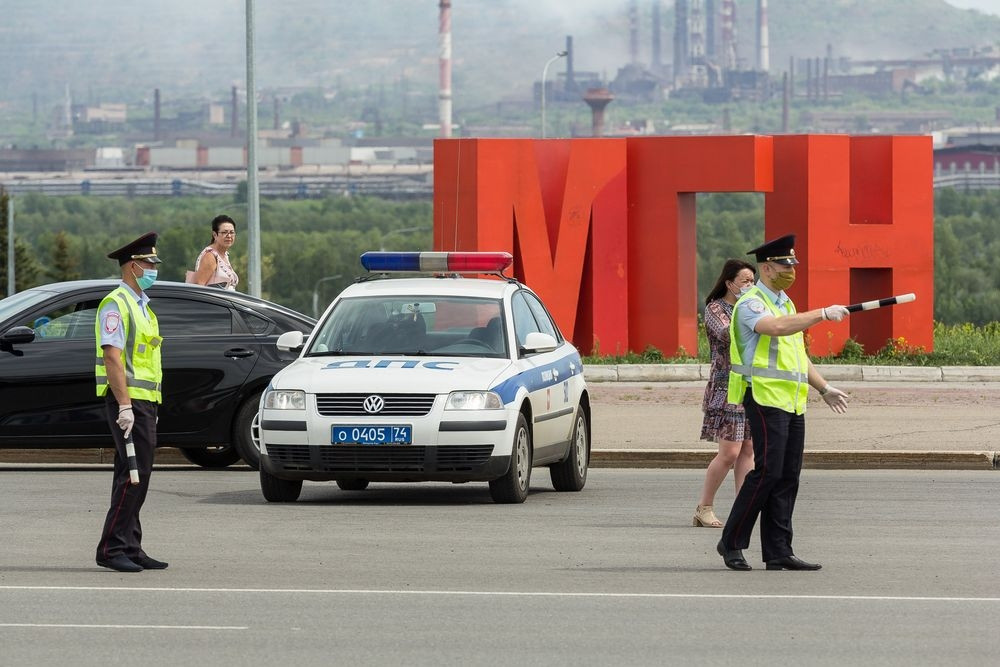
<point x="769" y="490"/>
<point x="122" y="531"/>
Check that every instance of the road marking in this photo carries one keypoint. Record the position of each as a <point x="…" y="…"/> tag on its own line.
<point x="124" y="627"/>
<point x="552" y="594"/>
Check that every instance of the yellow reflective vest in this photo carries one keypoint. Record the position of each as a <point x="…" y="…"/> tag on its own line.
<point x="141" y="356"/>
<point x="779" y="370"/>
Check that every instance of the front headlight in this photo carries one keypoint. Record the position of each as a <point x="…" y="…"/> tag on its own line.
<point x="283" y="399"/>
<point x="473" y="400"/>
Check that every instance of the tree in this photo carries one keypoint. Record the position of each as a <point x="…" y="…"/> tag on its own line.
<point x="26" y="269"/>
<point x="64" y="264"/>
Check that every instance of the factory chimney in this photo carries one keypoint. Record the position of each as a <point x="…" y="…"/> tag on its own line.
<point x="657" y="61"/>
<point x="728" y="58"/>
<point x="633" y="31"/>
<point x="234" y="114"/>
<point x="597" y="99"/>
<point x="570" y="82"/>
<point x="444" y="80"/>
<point x="763" y="50"/>
<point x="156" y="114"/>
<point x="681" y="46"/>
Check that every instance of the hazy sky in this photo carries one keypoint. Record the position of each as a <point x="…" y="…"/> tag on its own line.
<point x="987" y="6"/>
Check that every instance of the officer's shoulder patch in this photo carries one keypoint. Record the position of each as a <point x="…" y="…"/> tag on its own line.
<point x="111" y="322"/>
<point x="755" y="305"/>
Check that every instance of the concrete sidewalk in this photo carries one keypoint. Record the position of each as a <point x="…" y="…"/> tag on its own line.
<point x="649" y="416"/>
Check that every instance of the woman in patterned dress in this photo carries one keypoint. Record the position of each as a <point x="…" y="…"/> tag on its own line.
<point x="724" y="423"/>
<point x="212" y="266"/>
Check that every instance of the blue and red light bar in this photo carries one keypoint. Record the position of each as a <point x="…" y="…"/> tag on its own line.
<point x="437" y="262"/>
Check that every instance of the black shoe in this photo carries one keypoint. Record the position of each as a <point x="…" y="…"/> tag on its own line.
<point x="733" y="557"/>
<point x="121" y="562"/>
<point x="791" y="563"/>
<point x="148" y="563"/>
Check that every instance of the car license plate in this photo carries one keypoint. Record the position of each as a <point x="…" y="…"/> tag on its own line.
<point x="371" y="434"/>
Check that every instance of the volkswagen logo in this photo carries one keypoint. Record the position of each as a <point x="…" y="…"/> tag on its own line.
<point x="374" y="404"/>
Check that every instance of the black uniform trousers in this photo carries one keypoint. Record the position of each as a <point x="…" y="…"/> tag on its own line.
<point x="122" y="530"/>
<point x="769" y="489"/>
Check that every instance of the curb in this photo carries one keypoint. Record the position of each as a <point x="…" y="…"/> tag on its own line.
<point x="816" y="459"/>
<point x="833" y="372"/>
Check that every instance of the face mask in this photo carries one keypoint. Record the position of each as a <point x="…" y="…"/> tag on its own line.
<point x="784" y="279"/>
<point x="745" y="289"/>
<point x="147" y="278"/>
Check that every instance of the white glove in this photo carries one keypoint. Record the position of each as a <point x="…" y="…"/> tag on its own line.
<point x="836" y="399"/>
<point x="126" y="420"/>
<point x="835" y="313"/>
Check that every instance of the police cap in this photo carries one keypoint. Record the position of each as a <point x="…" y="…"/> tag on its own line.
<point x="780" y="251"/>
<point x="143" y="248"/>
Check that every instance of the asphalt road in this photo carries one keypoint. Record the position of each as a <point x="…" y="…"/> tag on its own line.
<point x="437" y="574"/>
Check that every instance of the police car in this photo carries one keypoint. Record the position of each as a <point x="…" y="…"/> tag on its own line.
<point x="432" y="378"/>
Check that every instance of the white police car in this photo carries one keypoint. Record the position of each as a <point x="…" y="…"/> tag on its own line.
<point x="442" y="378"/>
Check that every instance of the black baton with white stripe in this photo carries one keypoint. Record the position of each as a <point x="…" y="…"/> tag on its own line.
<point x="133" y="465"/>
<point x="891" y="301"/>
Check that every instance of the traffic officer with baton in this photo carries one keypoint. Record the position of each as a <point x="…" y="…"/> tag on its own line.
<point x="128" y="363"/>
<point x="771" y="375"/>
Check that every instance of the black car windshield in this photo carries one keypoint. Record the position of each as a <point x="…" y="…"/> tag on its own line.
<point x="412" y="326"/>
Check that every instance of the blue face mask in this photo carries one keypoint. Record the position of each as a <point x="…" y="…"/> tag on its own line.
<point x="147" y="278"/>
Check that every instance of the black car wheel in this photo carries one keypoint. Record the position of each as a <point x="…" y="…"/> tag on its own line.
<point x="278" y="490"/>
<point x="513" y="486"/>
<point x="570" y="474"/>
<point x="211" y="457"/>
<point x="352" y="484"/>
<point x="247" y="446"/>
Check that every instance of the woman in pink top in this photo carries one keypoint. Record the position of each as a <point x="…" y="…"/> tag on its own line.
<point x="212" y="267"/>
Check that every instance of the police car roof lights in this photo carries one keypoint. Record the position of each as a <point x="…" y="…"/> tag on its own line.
<point x="437" y="262"/>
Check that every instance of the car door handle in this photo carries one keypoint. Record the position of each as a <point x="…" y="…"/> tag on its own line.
<point x="238" y="352"/>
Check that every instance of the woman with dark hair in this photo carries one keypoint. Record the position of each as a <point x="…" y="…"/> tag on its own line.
<point x="724" y="423"/>
<point x="212" y="266"/>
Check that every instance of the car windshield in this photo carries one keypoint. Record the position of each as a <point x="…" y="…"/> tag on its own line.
<point x="413" y="326"/>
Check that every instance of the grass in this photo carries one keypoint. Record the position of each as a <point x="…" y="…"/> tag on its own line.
<point x="954" y="345"/>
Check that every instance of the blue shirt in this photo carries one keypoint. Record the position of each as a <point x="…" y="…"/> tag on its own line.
<point x="112" y="331"/>
<point x="748" y="312"/>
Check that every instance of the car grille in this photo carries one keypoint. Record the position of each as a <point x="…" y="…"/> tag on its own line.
<point x="408" y="405"/>
<point x="380" y="458"/>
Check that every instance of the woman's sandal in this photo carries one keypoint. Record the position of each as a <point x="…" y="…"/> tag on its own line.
<point x="704" y="516"/>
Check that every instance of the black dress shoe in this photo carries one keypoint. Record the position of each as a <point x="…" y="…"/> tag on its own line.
<point x="791" y="563"/>
<point x="121" y="563"/>
<point x="148" y="563"/>
<point x="733" y="557"/>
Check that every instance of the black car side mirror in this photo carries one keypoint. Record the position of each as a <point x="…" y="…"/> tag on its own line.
<point x="16" y="336"/>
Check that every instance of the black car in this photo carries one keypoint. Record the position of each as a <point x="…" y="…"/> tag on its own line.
<point x="218" y="356"/>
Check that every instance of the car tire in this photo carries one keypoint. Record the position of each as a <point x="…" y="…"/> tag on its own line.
<point x="513" y="486"/>
<point x="352" y="484"/>
<point x="211" y="457"/>
<point x="278" y="490"/>
<point x="245" y="427"/>
<point x="570" y="474"/>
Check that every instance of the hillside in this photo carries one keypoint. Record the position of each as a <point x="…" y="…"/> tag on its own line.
<point x="109" y="50"/>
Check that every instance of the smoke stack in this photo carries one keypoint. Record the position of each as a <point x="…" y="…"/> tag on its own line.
<point x="657" y="64"/>
<point x="234" y="114"/>
<point x="784" y="103"/>
<point x="763" y="50"/>
<point x="597" y="99"/>
<point x="711" y="47"/>
<point x="570" y="82"/>
<point x="728" y="34"/>
<point x="633" y="31"/>
<point x="277" y="116"/>
<point x="444" y="81"/>
<point x="156" y="114"/>
<point x="680" y="42"/>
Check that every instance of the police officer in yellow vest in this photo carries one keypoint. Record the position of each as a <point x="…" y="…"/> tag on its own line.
<point x="128" y="363"/>
<point x="771" y="375"/>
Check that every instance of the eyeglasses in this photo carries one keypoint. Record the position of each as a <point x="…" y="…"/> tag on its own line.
<point x="230" y="232"/>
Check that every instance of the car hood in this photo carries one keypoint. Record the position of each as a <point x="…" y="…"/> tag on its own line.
<point x="423" y="375"/>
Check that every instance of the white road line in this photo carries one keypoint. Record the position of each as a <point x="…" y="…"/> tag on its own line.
<point x="552" y="594"/>
<point x="89" y="626"/>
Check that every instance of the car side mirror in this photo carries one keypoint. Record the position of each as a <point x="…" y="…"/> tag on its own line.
<point x="16" y="336"/>
<point x="537" y="341"/>
<point x="290" y="340"/>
